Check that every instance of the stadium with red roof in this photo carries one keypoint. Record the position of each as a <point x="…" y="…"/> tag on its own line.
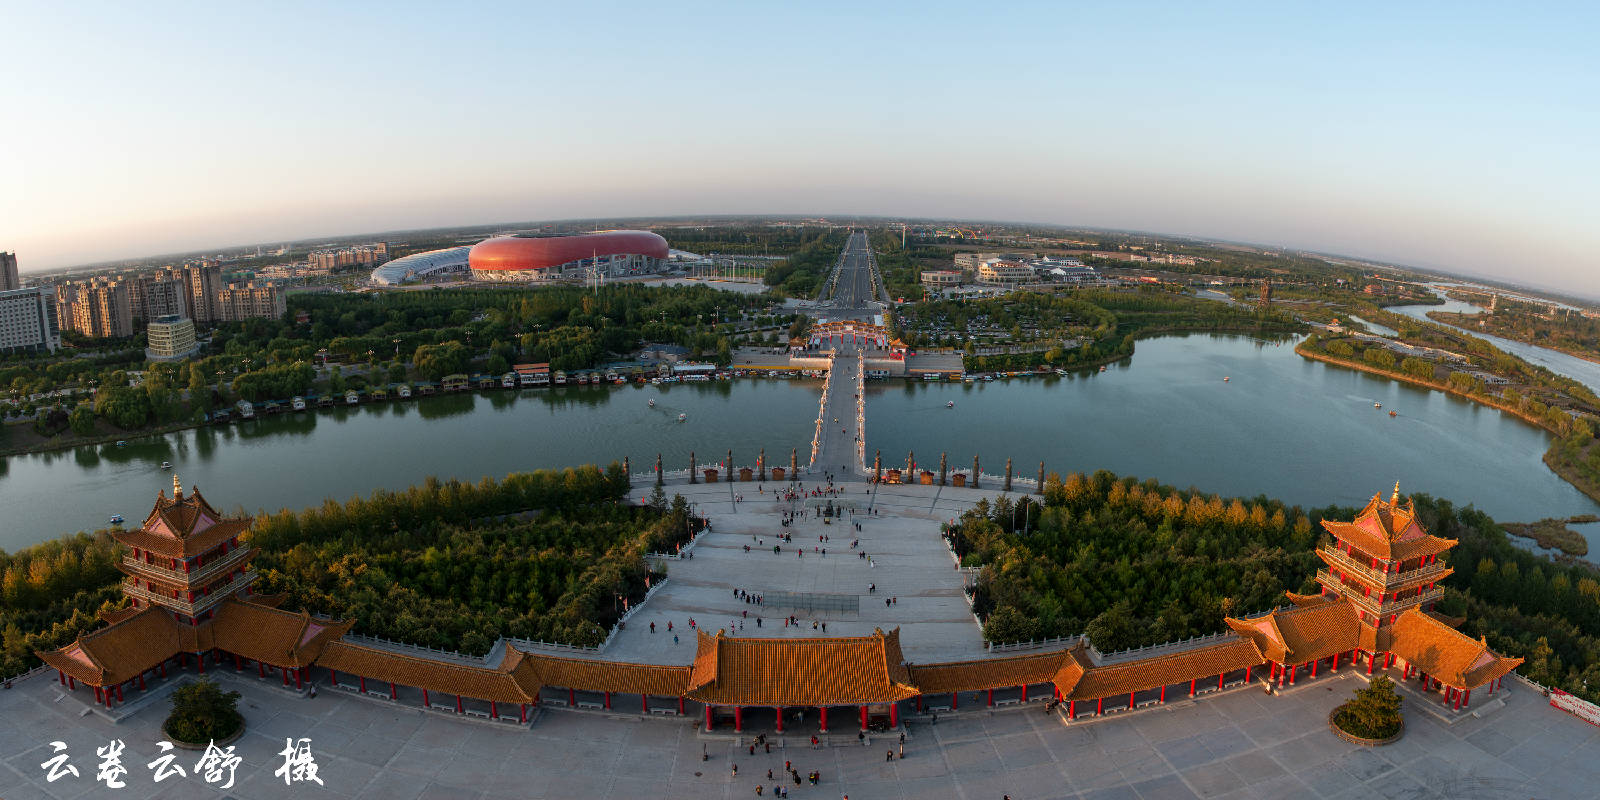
<point x="544" y="258"/>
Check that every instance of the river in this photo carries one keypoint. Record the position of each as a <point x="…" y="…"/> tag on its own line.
<point x="1282" y="426"/>
<point x="1581" y="370"/>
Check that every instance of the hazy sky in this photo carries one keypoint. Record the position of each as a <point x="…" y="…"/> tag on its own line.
<point x="1450" y="135"/>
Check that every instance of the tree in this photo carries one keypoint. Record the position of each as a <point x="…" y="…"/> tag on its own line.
<point x="82" y="420"/>
<point x="397" y="373"/>
<point x="1374" y="713"/>
<point x="202" y="712"/>
<point x="1007" y="624"/>
<point x="124" y="407"/>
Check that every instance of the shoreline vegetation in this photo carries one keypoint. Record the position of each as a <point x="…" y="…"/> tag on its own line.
<point x="1572" y="455"/>
<point x="1552" y="533"/>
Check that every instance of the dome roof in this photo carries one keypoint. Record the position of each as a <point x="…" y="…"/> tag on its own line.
<point x="536" y="252"/>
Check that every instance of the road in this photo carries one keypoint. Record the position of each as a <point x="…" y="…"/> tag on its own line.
<point x="854" y="287"/>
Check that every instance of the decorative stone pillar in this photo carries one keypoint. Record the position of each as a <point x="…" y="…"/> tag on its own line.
<point x="731" y="477"/>
<point x="761" y="465"/>
<point x="941" y="468"/>
<point x="877" y="466"/>
<point x="659" y="481"/>
<point x="1008" y="474"/>
<point x="974" y="472"/>
<point x="627" y="472"/>
<point x="692" y="478"/>
<point x="911" y="460"/>
<point x="1039" y="487"/>
<point x="794" y="464"/>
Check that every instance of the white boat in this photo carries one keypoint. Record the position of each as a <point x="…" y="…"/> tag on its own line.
<point x="1102" y="368"/>
<point x="1377" y="405"/>
<point x="116" y="519"/>
<point x="951" y="404"/>
<point x="298" y="404"/>
<point x="652" y="402"/>
<point x="166" y="465"/>
<point x="1224" y="379"/>
<point x="683" y="417"/>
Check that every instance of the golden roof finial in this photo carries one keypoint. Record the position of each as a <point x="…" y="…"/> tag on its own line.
<point x="1395" y="498"/>
<point x="177" y="487"/>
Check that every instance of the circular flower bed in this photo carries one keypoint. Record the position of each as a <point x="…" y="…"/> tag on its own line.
<point x="1347" y="727"/>
<point x="203" y="713"/>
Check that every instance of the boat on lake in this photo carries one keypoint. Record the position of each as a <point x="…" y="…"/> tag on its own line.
<point x="116" y="519"/>
<point x="683" y="417"/>
<point x="166" y="465"/>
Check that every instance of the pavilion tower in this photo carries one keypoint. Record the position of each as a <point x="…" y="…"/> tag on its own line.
<point x="186" y="557"/>
<point x="1383" y="563"/>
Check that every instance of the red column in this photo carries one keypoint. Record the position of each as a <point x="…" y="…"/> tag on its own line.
<point x="708" y="719"/>
<point x="285" y="674"/>
<point x="238" y="663"/>
<point x="824" y="726"/>
<point x="522" y="714"/>
<point x="1191" y="686"/>
<point x="261" y="672"/>
<point x="494" y="710"/>
<point x="644" y="704"/>
<point x="1024" y="692"/>
<point x="894" y="713"/>
<point x="299" y="683"/>
<point x="62" y="677"/>
<point x="363" y="679"/>
<point x="1130" y="700"/>
<point x="393" y="694"/>
<point x="1466" y="698"/>
<point x="955" y="700"/>
<point x="919" y="704"/>
<point x="738" y="719"/>
<point x="425" y="703"/>
<point x="680" y="705"/>
<point x="1099" y="706"/>
<point x="608" y="701"/>
<point x="1220" y="677"/>
<point x="97" y="694"/>
<point x="119" y="692"/>
<point x="779" y="709"/>
<point x="162" y="666"/>
<point x="572" y="700"/>
<point x="333" y="675"/>
<point x="458" y="704"/>
<point x="1314" y="667"/>
<point x="1294" y="672"/>
<point x="1163" y="694"/>
<point x="141" y="681"/>
<point x="1371" y="660"/>
<point x="1247" y="674"/>
<point x="863" y="719"/>
<point x="200" y="658"/>
<point x="1388" y="660"/>
<point x="1072" y="709"/>
<point x="991" y="698"/>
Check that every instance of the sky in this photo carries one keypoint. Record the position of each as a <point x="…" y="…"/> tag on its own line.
<point x="1446" y="135"/>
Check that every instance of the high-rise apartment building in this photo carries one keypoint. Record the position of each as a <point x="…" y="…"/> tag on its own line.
<point x="164" y="294"/>
<point x="249" y="300"/>
<point x="205" y="281"/>
<point x="102" y="308"/>
<point x="8" y="272"/>
<point x="28" y="320"/>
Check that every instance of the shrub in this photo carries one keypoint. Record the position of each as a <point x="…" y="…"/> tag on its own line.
<point x="1373" y="714"/>
<point x="202" y="712"/>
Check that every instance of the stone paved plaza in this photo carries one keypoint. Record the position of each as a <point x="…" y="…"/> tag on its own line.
<point x="1241" y="744"/>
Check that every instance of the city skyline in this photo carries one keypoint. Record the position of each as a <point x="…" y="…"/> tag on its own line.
<point x="1444" y="142"/>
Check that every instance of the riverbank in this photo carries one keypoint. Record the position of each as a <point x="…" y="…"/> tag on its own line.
<point x="1458" y="320"/>
<point x="1569" y="467"/>
<point x="1552" y="534"/>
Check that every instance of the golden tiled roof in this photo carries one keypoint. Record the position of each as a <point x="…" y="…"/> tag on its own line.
<point x="1302" y="634"/>
<point x="1304" y="600"/>
<point x="1445" y="653"/>
<point x="445" y="677"/>
<point x="602" y="676"/>
<point x="280" y="638"/>
<point x="190" y="544"/>
<point x="797" y="672"/>
<point x="1056" y="667"/>
<point x="120" y="651"/>
<point x="1163" y="670"/>
<point x="1388" y="531"/>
